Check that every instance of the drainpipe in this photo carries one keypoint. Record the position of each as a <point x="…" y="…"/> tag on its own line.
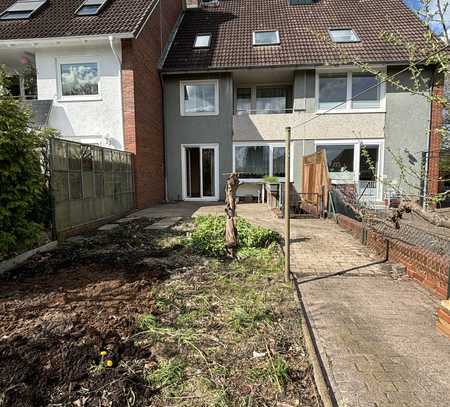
<point x="111" y="44"/>
<point x="166" y="193"/>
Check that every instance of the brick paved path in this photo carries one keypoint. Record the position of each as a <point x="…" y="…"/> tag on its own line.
<point x="376" y="334"/>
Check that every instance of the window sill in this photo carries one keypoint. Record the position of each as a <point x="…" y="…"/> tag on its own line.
<point x="199" y="114"/>
<point x="351" y="111"/>
<point x="80" y="99"/>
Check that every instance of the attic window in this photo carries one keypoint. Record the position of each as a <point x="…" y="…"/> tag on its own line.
<point x="202" y="41"/>
<point x="266" y="38"/>
<point x="22" y="9"/>
<point x="91" y="7"/>
<point x="343" y="35"/>
<point x="300" y="2"/>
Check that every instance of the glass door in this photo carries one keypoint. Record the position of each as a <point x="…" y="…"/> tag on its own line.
<point x="200" y="173"/>
<point x="368" y="172"/>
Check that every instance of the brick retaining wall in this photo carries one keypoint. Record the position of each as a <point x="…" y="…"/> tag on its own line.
<point x="424" y="266"/>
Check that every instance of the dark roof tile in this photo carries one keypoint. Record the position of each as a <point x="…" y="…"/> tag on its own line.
<point x="302" y="31"/>
<point x="58" y="19"/>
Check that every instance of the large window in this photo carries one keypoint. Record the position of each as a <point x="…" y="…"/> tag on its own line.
<point x="351" y="91"/>
<point x="199" y="98"/>
<point x="258" y="161"/>
<point x="264" y="99"/>
<point x="79" y="79"/>
<point x="365" y="92"/>
<point x="332" y="91"/>
<point x="271" y="100"/>
<point x="340" y="160"/>
<point x="243" y="100"/>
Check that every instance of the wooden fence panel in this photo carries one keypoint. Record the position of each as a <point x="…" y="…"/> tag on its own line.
<point x="316" y="182"/>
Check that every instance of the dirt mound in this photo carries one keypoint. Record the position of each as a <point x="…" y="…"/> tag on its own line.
<point x="61" y="309"/>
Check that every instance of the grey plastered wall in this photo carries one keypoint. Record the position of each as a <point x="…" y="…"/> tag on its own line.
<point x="406" y="130"/>
<point x="299" y="149"/>
<point x="196" y="130"/>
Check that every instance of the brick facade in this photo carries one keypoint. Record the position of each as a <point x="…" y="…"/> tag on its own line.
<point x="424" y="266"/>
<point x="142" y="101"/>
<point x="437" y="121"/>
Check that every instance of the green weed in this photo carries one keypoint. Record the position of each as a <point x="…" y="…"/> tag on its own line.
<point x="168" y="373"/>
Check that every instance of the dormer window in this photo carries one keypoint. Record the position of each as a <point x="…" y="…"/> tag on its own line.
<point x="266" y="38"/>
<point x="22" y="9"/>
<point x="202" y="41"/>
<point x="91" y="7"/>
<point x="343" y="35"/>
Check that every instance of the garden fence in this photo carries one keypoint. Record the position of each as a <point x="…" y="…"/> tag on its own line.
<point x="88" y="183"/>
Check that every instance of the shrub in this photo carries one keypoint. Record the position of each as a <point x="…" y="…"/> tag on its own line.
<point x="208" y="237"/>
<point x="22" y="179"/>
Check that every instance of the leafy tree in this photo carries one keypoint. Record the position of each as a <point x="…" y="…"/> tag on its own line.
<point x="23" y="183"/>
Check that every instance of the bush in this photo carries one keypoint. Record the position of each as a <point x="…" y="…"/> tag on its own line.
<point x="208" y="238"/>
<point x="22" y="179"/>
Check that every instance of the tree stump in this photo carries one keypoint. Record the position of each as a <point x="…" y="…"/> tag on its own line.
<point x="231" y="235"/>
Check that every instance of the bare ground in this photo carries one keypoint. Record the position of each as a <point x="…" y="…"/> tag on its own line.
<point x="178" y="329"/>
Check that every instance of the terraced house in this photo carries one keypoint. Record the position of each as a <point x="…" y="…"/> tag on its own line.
<point x="239" y="71"/>
<point x="90" y="70"/>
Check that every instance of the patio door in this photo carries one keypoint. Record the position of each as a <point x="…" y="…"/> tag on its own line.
<point x="200" y="172"/>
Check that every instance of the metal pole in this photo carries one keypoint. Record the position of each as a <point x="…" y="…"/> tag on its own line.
<point x="287" y="223"/>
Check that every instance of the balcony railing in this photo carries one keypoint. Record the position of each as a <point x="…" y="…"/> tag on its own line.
<point x="263" y="111"/>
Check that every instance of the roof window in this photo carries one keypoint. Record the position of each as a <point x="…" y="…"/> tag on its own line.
<point x="266" y="38"/>
<point x="22" y="9"/>
<point x="202" y="41"/>
<point x="91" y="7"/>
<point x="343" y="35"/>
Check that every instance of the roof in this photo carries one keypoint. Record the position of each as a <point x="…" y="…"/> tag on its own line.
<point x="303" y="33"/>
<point x="57" y="19"/>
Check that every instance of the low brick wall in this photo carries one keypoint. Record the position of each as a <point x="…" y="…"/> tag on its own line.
<point x="424" y="266"/>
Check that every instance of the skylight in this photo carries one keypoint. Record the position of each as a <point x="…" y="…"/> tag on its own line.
<point x="343" y="35"/>
<point x="266" y="38"/>
<point x="22" y="9"/>
<point x="202" y="41"/>
<point x="91" y="7"/>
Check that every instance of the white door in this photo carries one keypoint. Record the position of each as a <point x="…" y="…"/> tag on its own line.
<point x="200" y="170"/>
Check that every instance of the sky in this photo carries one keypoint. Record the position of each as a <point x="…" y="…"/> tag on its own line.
<point x="415" y="4"/>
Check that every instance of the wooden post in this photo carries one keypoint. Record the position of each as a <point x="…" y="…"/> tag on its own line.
<point x="287" y="221"/>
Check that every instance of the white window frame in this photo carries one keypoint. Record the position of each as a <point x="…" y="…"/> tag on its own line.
<point x="355" y="36"/>
<point x="271" y="146"/>
<point x="215" y="147"/>
<point x="277" y="33"/>
<point x="78" y="60"/>
<point x="209" y="35"/>
<point x="357" y="143"/>
<point x="214" y="82"/>
<point x="347" y="107"/>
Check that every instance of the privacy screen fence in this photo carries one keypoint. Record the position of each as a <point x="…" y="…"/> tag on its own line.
<point x="89" y="183"/>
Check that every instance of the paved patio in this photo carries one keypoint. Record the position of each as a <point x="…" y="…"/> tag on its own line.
<point x="375" y="332"/>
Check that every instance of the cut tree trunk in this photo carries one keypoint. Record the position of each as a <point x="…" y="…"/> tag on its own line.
<point x="231" y="235"/>
<point x="429" y="216"/>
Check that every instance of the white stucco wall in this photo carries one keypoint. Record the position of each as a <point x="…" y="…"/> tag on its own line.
<point x="84" y="120"/>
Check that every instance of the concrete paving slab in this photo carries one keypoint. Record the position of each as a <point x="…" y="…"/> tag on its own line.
<point x="108" y="227"/>
<point x="375" y="332"/>
<point x="126" y="220"/>
<point x="164" y="223"/>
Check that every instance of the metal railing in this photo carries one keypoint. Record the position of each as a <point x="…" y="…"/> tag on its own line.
<point x="246" y="112"/>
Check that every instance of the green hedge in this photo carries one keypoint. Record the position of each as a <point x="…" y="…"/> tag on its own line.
<point x="208" y="237"/>
<point x="22" y="177"/>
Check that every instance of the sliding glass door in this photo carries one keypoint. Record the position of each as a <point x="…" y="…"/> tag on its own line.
<point x="200" y="172"/>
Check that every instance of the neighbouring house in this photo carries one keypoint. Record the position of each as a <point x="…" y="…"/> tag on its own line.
<point x="239" y="71"/>
<point x="90" y="70"/>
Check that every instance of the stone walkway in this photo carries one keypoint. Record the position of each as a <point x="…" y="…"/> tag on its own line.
<point x="376" y="333"/>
